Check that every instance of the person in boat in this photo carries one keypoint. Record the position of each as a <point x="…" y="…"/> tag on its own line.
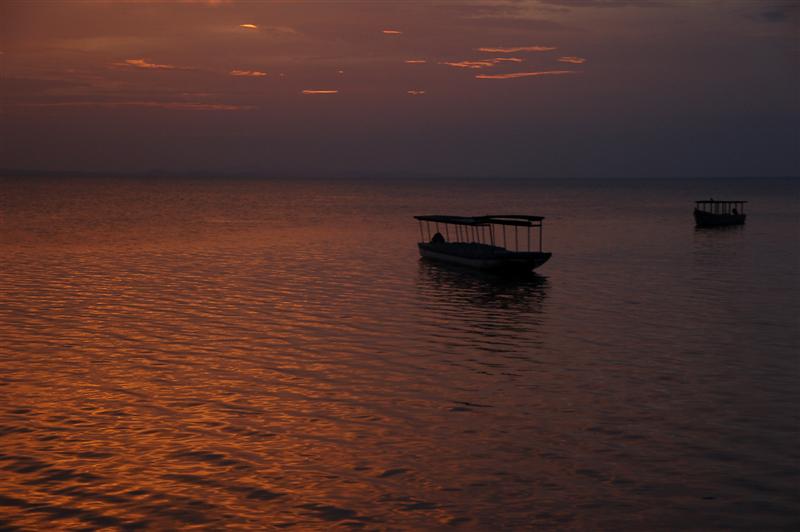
<point x="735" y="211"/>
<point x="437" y="239"/>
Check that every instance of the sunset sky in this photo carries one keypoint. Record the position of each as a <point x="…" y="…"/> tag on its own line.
<point x="547" y="88"/>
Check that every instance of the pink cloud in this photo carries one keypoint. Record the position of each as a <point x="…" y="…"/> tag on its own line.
<point x="248" y="73"/>
<point x="514" y="75"/>
<point x="144" y="64"/>
<point x="572" y="59"/>
<point x="177" y="106"/>
<point x="516" y="49"/>
<point x="468" y="64"/>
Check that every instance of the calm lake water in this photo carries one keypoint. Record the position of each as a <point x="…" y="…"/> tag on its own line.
<point x="256" y="354"/>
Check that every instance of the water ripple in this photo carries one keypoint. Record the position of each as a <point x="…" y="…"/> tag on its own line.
<point x="246" y="356"/>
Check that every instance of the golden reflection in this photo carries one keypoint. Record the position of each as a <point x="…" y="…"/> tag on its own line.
<point x="249" y="26"/>
<point x="415" y="61"/>
<point x="392" y="32"/>
<point x="320" y="91"/>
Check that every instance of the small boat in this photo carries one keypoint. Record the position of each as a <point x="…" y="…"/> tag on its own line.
<point x="714" y="213"/>
<point x="483" y="242"/>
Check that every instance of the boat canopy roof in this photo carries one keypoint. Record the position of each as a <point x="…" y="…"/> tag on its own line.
<point x="524" y="220"/>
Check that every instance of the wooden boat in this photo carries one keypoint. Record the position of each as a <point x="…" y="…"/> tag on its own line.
<point x="714" y="213"/>
<point x="483" y="242"/>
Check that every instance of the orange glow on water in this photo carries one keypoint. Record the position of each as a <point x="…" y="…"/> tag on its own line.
<point x="320" y="91"/>
<point x="572" y="59"/>
<point x="392" y="32"/>
<point x="249" y="26"/>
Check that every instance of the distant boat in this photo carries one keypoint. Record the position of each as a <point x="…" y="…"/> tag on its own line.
<point x="714" y="213"/>
<point x="484" y="242"/>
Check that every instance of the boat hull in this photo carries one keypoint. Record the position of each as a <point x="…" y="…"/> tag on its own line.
<point x="485" y="260"/>
<point x="710" y="219"/>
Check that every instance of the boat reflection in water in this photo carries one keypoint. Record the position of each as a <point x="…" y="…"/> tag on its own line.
<point x="485" y="309"/>
<point x="483" y="242"/>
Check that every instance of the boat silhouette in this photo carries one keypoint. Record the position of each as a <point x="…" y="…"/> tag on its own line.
<point x="714" y="213"/>
<point x="484" y="242"/>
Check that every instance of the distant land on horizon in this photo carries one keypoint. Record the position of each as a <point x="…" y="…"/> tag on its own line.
<point x="170" y="174"/>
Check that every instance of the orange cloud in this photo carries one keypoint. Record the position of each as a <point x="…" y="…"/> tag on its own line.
<point x="392" y="32"/>
<point x="572" y="59"/>
<point x="416" y="92"/>
<point x="141" y="63"/>
<point x="526" y="74"/>
<point x="248" y="73"/>
<point x="249" y="26"/>
<point x="320" y="91"/>
<point x="508" y="60"/>
<point x="468" y="64"/>
<point x="415" y="61"/>
<point x="516" y="49"/>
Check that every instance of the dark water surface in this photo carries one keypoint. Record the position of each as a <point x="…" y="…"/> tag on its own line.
<point x="256" y="354"/>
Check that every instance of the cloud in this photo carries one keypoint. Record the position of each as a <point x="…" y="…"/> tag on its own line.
<point x="142" y="63"/>
<point x="777" y="11"/>
<point x="175" y="106"/>
<point x="607" y="3"/>
<point x="248" y="73"/>
<point x="514" y="75"/>
<point x="572" y="59"/>
<point x="515" y="49"/>
<point x="415" y="61"/>
<point x="416" y="92"/>
<point x="320" y="91"/>
<point x="392" y="32"/>
<point x="483" y="63"/>
<point x="468" y="64"/>
<point x="287" y="30"/>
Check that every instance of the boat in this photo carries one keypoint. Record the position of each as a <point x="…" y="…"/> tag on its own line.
<point x="715" y="213"/>
<point x="483" y="242"/>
